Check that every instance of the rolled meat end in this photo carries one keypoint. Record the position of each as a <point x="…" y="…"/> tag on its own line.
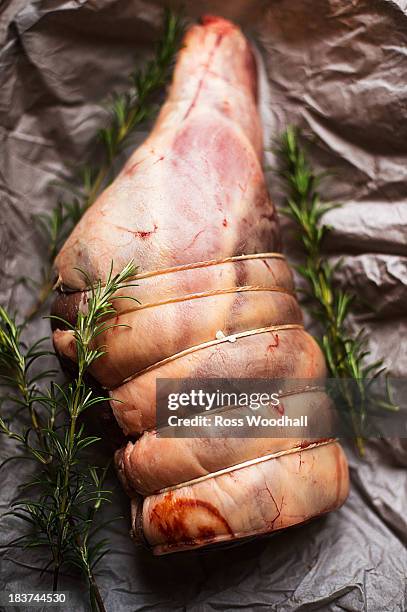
<point x="258" y="499"/>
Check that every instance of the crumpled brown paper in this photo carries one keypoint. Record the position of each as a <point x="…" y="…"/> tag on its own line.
<point x="338" y="70"/>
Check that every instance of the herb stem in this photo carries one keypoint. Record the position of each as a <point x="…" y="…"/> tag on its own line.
<point x="95" y="593"/>
<point x="16" y="364"/>
<point x="55" y="579"/>
<point x="345" y="355"/>
<point x="70" y="490"/>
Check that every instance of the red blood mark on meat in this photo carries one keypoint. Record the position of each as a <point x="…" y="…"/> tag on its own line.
<point x="219" y="205"/>
<point x="194" y="239"/>
<point x="131" y="169"/>
<point x="172" y="517"/>
<point x="206" y="68"/>
<point x="145" y="234"/>
<point x="194" y="100"/>
<point x="159" y="159"/>
<point x="276" y="342"/>
<point x="278" y="510"/>
<point x="280" y="408"/>
<point x="222" y="25"/>
<point x="224" y="223"/>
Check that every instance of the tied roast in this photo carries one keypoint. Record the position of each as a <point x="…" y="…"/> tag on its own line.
<point x="191" y="208"/>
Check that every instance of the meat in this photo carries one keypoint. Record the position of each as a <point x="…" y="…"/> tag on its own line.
<point x="191" y="208"/>
<point x="263" y="497"/>
<point x="153" y="462"/>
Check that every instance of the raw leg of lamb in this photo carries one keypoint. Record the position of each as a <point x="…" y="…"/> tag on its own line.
<point x="191" y="208"/>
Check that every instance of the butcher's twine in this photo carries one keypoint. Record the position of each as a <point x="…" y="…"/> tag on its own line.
<point x="197" y="347"/>
<point x="212" y="292"/>
<point x="244" y="464"/>
<point x="205" y="264"/>
<point x="181" y="268"/>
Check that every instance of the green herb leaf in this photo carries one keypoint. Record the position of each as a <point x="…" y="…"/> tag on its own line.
<point x="67" y="492"/>
<point x="345" y="356"/>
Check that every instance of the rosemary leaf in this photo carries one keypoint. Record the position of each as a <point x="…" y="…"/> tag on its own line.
<point x="330" y="305"/>
<point x="67" y="491"/>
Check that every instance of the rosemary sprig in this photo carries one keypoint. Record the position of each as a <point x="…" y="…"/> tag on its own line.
<point x="345" y="355"/>
<point x="127" y="111"/>
<point x="16" y="365"/>
<point x="67" y="491"/>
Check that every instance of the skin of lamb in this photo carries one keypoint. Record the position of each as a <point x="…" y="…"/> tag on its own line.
<point x="270" y="301"/>
<point x="143" y="338"/>
<point x="154" y="461"/>
<point x="258" y="499"/>
<point x="195" y="189"/>
<point x="174" y="282"/>
<point x="195" y="192"/>
<point x="286" y="354"/>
